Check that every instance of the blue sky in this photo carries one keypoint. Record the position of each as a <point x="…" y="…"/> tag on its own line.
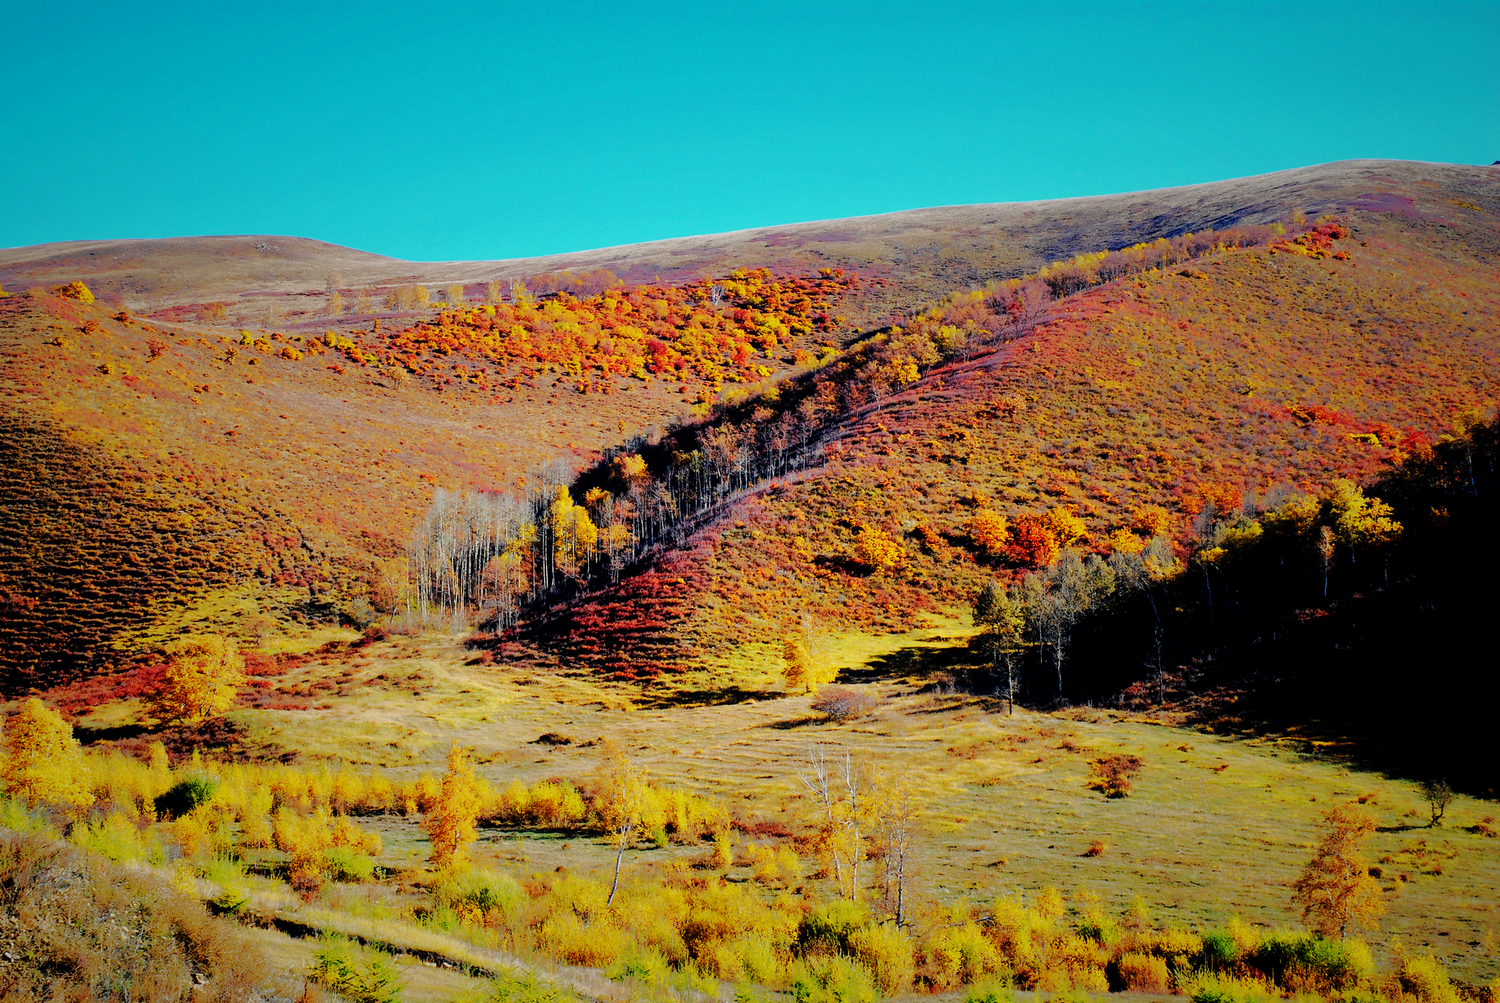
<point x="488" y="130"/>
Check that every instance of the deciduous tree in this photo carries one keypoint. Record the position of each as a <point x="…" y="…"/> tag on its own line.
<point x="1034" y="543"/>
<point x="1003" y="617"/>
<point x="1335" y="889"/>
<point x="840" y="792"/>
<point x="620" y="800"/>
<point x="875" y="549"/>
<point x="1438" y="796"/>
<point x="805" y="663"/>
<point x="43" y="763"/>
<point x="200" y="680"/>
<point x="450" y="822"/>
<point x="896" y="815"/>
<point x="989" y="531"/>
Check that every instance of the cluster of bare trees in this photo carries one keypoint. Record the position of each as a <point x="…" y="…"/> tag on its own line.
<point x="497" y="551"/>
<point x="1037" y="615"/>
<point x="858" y="811"/>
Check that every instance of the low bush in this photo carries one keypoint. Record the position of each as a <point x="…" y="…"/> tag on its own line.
<point x="119" y="839"/>
<point x="886" y="951"/>
<point x="1112" y="775"/>
<point x="483" y="892"/>
<point x="830" y="928"/>
<point x="759" y="961"/>
<point x="359" y="974"/>
<point x="1206" y="987"/>
<point x="1143" y="973"/>
<point x="76" y="908"/>
<point x="1364" y="996"/>
<point x="1425" y="980"/>
<point x="564" y="936"/>
<point x="990" y="991"/>
<point x="185" y="795"/>
<point x="959" y="956"/>
<point x="1308" y="963"/>
<point x="1219" y="950"/>
<point x="344" y="864"/>
<point x="74" y="290"/>
<point x="841" y="704"/>
<point x="528" y="987"/>
<point x="643" y="964"/>
<point x="830" y="979"/>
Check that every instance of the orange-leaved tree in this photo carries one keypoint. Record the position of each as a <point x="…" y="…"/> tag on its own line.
<point x="201" y="679"/>
<point x="1335" y="889"/>
<point x="450" y="821"/>
<point x="43" y="763"/>
<point x="1034" y="543"/>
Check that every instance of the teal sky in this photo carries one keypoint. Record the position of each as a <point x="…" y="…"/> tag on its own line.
<point x="487" y="130"/>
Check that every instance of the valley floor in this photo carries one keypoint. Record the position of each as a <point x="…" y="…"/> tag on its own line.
<point x="1217" y="826"/>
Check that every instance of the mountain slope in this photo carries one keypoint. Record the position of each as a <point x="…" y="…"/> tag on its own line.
<point x="1250" y="372"/>
<point x="286" y="487"/>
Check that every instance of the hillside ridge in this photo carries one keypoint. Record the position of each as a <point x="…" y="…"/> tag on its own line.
<point x="998" y="239"/>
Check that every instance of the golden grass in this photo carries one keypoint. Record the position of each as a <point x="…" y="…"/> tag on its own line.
<point x="1215" y="826"/>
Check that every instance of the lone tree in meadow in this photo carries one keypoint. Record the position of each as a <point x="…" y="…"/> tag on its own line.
<point x="450" y="822"/>
<point x="896" y="816"/>
<point x="1438" y="796"/>
<point x="201" y="679"/>
<point x="1003" y="618"/>
<point x="1335" y="889"/>
<point x="805" y="665"/>
<point x="620" y="800"/>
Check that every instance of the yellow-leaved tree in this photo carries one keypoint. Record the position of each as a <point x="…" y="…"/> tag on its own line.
<point x="450" y="820"/>
<point x="805" y="662"/>
<point x="43" y="763"/>
<point x="74" y="291"/>
<point x="989" y="530"/>
<point x="201" y="679"/>
<point x="896" y="822"/>
<point x="620" y="800"/>
<point x="874" y="548"/>
<point x="1066" y="526"/>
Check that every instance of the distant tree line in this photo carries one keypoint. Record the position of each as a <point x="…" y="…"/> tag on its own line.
<point x="1367" y="608"/>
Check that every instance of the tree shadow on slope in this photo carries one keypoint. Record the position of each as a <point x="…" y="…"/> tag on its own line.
<point x="922" y="664"/>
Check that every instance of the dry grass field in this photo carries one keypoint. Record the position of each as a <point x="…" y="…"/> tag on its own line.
<point x="1218" y="826"/>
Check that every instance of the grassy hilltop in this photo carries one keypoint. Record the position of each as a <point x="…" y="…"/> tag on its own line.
<point x="1227" y="448"/>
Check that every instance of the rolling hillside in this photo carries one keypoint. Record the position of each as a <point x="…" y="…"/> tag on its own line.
<point x="170" y="463"/>
<point x="924" y="252"/>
